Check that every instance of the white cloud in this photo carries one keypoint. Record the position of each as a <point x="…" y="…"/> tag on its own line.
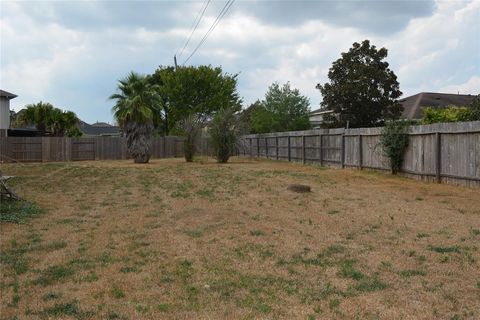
<point x="472" y="86"/>
<point x="48" y="56"/>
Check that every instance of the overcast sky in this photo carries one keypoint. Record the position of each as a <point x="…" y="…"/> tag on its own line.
<point x="71" y="53"/>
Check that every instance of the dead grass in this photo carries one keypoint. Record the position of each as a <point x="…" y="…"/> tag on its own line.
<point x="171" y="240"/>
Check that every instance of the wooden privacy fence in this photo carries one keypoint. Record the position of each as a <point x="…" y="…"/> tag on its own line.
<point x="38" y="149"/>
<point x="445" y="152"/>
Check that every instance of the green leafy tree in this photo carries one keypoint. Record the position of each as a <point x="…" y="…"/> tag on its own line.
<point x="362" y="90"/>
<point x="225" y="129"/>
<point x="161" y="120"/>
<point x="191" y="90"/>
<point x="283" y="109"/>
<point x="47" y="118"/>
<point x="136" y="103"/>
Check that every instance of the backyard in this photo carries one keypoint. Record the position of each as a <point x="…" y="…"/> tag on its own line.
<point x="176" y="240"/>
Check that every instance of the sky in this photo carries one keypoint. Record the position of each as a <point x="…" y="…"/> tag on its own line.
<point x="72" y="53"/>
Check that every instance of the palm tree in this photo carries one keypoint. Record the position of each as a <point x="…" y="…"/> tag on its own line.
<point x="136" y="104"/>
<point x="38" y="114"/>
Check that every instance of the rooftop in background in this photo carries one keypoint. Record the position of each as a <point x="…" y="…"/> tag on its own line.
<point x="7" y="94"/>
<point x="413" y="105"/>
<point x="98" y="129"/>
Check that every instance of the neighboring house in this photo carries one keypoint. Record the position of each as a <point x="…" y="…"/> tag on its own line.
<point x="5" y="98"/>
<point x="98" y="129"/>
<point x="413" y="105"/>
<point x="316" y="117"/>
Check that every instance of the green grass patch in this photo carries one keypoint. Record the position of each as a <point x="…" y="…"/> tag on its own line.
<point x="371" y="284"/>
<point x="257" y="233"/>
<point x="18" y="211"/>
<point x="54" y="274"/>
<point x="411" y="273"/>
<point x="441" y="249"/>
<point x="66" y="309"/>
<point x="347" y="270"/>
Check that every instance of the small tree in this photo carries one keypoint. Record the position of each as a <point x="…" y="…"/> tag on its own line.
<point x="224" y="132"/>
<point x="191" y="127"/>
<point x="449" y="113"/>
<point x="394" y="142"/>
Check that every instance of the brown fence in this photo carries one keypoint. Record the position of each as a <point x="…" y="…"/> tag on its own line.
<point x="45" y="149"/>
<point x="445" y="152"/>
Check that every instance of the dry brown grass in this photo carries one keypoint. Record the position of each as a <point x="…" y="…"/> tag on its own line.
<point x="171" y="240"/>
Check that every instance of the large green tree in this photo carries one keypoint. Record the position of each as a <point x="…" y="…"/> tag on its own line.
<point x="137" y="101"/>
<point x="362" y="90"/>
<point x="201" y="90"/>
<point x="47" y="118"/>
<point x="283" y="109"/>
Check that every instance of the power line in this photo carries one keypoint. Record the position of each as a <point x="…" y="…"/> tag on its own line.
<point x="212" y="27"/>
<point x="196" y="22"/>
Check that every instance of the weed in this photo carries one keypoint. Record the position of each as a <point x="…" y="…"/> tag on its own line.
<point x="66" y="309"/>
<point x="117" y="292"/>
<point x="412" y="273"/>
<point x="257" y="233"/>
<point x="194" y="233"/>
<point x="333" y="211"/>
<point x="371" y="284"/>
<point x="347" y="271"/>
<point x="422" y="235"/>
<point x="128" y="269"/>
<point x="441" y="249"/>
<point x="163" y="307"/>
<point x="475" y="232"/>
<point x="54" y="274"/>
<point x="51" y="296"/>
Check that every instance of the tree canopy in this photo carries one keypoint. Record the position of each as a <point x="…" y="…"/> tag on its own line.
<point x="201" y="90"/>
<point x="362" y="90"/>
<point x="283" y="109"/>
<point x="47" y="118"/>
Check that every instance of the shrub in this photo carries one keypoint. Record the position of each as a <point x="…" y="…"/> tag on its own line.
<point x="191" y="128"/>
<point x="224" y="132"/>
<point x="447" y="114"/>
<point x="394" y="142"/>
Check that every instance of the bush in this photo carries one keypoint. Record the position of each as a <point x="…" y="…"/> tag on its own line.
<point x="394" y="142"/>
<point x="191" y="128"/>
<point x="224" y="132"/>
<point x="447" y="114"/>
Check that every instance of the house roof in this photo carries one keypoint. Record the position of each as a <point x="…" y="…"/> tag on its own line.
<point x="413" y="105"/>
<point x="98" y="129"/>
<point x="7" y="94"/>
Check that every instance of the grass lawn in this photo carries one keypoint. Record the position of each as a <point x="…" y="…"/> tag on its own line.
<point x="171" y="240"/>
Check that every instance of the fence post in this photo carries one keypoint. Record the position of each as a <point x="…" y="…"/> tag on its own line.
<point x="276" y="147"/>
<point x="266" y="148"/>
<point x="321" y="148"/>
<point x="303" y="150"/>
<point x="438" y="150"/>
<point x="289" y="152"/>
<point x="360" y="152"/>
<point x="343" y="150"/>
<point x="68" y="149"/>
<point x="258" y="147"/>
<point x="251" y="148"/>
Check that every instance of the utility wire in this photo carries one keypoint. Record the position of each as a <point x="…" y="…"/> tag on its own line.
<point x="212" y="27"/>
<point x="196" y="22"/>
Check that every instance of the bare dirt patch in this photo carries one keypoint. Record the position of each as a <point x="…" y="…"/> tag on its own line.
<point x="168" y="239"/>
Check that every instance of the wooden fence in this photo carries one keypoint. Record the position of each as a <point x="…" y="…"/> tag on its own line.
<point x="445" y="152"/>
<point x="45" y="149"/>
